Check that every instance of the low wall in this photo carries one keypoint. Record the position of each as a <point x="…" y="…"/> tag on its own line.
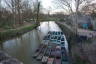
<point x="6" y="59"/>
<point x="66" y="31"/>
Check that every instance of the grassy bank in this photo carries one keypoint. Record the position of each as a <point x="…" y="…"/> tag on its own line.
<point x="4" y="35"/>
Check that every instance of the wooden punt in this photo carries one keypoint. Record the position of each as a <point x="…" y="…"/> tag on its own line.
<point x="44" y="59"/>
<point x="50" y="61"/>
<point x="52" y="54"/>
<point x="63" y="62"/>
<point x="58" y="33"/>
<point x="62" y="44"/>
<point x="37" y="52"/>
<point x="57" y="55"/>
<point x="61" y="33"/>
<point x="47" y="52"/>
<point x="62" y="39"/>
<point x="58" y="49"/>
<point x="64" y="55"/>
<point x="41" y="53"/>
<point x="39" y="56"/>
<point x="57" y="60"/>
<point x="59" y="38"/>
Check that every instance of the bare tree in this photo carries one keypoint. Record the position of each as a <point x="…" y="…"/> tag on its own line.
<point x="16" y="7"/>
<point x="0" y="10"/>
<point x="11" y="6"/>
<point x="73" y="7"/>
<point x="27" y="9"/>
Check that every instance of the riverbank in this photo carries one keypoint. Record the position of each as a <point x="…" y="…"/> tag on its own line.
<point x="80" y="52"/>
<point x="11" y="33"/>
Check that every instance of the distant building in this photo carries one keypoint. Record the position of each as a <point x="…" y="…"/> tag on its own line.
<point x="83" y="20"/>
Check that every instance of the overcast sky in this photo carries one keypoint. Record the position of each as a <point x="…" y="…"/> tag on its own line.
<point x="50" y="5"/>
<point x="47" y="3"/>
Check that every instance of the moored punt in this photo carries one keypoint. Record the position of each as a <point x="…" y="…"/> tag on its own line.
<point x="64" y="56"/>
<point x="62" y="44"/>
<point x="39" y="56"/>
<point x="42" y="53"/>
<point x="58" y="47"/>
<point x="50" y="61"/>
<point x="44" y="59"/>
<point x="57" y="60"/>
<point x="47" y="52"/>
<point x="49" y="32"/>
<point x="53" y="52"/>
<point x="58" y="33"/>
<point x="61" y="33"/>
<point x="62" y="39"/>
<point x="57" y="55"/>
<point x="37" y="52"/>
<point x="59" y="39"/>
<point x="55" y="37"/>
<point x="63" y="62"/>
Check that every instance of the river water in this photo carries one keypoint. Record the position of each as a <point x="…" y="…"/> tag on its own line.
<point x="24" y="46"/>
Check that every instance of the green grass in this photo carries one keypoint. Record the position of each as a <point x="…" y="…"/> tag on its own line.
<point x="15" y="32"/>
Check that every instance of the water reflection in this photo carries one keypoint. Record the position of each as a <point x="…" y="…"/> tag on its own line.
<point x="23" y="47"/>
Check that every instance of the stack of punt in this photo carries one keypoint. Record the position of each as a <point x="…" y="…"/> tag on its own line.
<point x="54" y="52"/>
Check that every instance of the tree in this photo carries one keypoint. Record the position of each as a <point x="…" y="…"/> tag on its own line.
<point x="0" y="10"/>
<point x="19" y="8"/>
<point x="11" y="6"/>
<point x="73" y="7"/>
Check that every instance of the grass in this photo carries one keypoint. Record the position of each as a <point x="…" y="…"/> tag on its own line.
<point x="4" y="35"/>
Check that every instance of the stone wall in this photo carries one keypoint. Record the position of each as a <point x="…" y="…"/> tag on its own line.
<point x="6" y="59"/>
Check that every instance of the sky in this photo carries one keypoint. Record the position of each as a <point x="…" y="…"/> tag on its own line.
<point x="51" y="6"/>
<point x="47" y="3"/>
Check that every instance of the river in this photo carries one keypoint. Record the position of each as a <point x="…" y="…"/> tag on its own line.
<point x="23" y="47"/>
